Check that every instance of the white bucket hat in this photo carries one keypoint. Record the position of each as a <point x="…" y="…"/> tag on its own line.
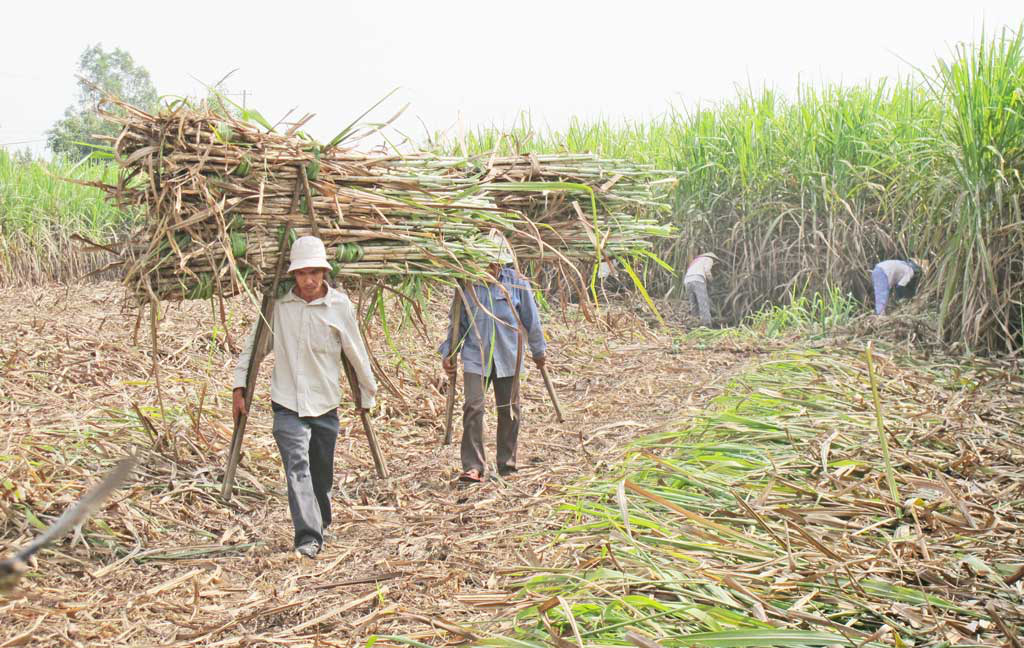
<point x="500" y="250"/>
<point x="308" y="252"/>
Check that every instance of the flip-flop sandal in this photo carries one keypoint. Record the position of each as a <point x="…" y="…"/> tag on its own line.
<point x="471" y="476"/>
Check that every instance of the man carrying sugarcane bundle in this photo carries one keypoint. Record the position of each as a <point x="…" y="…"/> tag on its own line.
<point x="698" y="274"/>
<point x="895" y="277"/>
<point x="312" y="325"/>
<point x="489" y="333"/>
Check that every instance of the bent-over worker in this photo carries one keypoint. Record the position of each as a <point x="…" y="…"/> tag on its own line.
<point x="897" y="277"/>
<point x="492" y="351"/>
<point x="312" y="325"/>
<point x="698" y="274"/>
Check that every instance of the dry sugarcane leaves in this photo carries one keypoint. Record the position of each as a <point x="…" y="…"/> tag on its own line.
<point x="168" y="563"/>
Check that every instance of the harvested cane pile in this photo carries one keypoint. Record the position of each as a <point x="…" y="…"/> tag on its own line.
<point x="802" y="510"/>
<point x="222" y="195"/>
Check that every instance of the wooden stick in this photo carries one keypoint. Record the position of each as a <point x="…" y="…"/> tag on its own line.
<point x="552" y="394"/>
<point x="259" y="351"/>
<point x="453" y="376"/>
<point x="353" y="383"/>
<point x="251" y="373"/>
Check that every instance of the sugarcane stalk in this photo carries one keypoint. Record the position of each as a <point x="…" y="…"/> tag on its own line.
<point x="880" y="425"/>
<point x="314" y="228"/>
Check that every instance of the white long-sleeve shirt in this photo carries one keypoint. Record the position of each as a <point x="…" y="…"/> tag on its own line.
<point x="307" y="341"/>
<point x="699" y="270"/>
<point x="899" y="273"/>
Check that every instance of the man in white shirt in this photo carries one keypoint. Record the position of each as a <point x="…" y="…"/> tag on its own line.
<point x="894" y="276"/>
<point x="313" y="324"/>
<point x="696" y="283"/>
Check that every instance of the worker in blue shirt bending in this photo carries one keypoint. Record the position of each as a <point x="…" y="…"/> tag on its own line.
<point x="494" y="321"/>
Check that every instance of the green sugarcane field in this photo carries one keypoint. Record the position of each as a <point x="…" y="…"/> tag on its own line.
<point x="755" y="358"/>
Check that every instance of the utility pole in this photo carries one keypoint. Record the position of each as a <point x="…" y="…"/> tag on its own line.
<point x="244" y="94"/>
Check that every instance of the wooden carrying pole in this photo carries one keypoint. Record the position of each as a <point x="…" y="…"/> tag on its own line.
<point x="350" y="373"/>
<point x="453" y="376"/>
<point x="552" y="394"/>
<point x="259" y="351"/>
<point x="353" y="383"/>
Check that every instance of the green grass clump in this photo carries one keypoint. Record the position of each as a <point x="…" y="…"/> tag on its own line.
<point x="40" y="212"/>
<point x="805" y="314"/>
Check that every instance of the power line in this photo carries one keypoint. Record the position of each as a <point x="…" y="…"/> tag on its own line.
<point x="243" y="93"/>
<point x="31" y="141"/>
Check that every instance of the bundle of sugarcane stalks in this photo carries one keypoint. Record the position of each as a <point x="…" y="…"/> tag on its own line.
<point x="221" y="195"/>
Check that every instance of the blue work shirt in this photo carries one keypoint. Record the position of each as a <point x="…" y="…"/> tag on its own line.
<point x="477" y="329"/>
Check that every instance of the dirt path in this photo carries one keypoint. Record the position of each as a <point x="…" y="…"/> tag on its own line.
<point x="168" y="563"/>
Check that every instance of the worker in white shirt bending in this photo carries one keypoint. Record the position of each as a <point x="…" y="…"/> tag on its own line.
<point x="696" y="283"/>
<point x="896" y="277"/>
<point x="311" y="326"/>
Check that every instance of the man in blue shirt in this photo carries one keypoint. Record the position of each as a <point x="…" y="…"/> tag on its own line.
<point x="494" y="319"/>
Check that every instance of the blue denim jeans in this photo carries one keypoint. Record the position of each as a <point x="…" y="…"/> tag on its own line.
<point x="881" y="283"/>
<point x="307" y="452"/>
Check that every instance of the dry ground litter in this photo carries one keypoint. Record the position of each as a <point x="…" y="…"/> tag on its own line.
<point x="166" y="562"/>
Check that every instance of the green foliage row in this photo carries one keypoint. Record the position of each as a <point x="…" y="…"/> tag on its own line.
<point x="40" y="213"/>
<point x="805" y="314"/>
<point x="814" y="190"/>
<point x="806" y="191"/>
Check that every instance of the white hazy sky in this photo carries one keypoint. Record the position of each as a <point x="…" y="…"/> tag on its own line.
<point x="478" y="62"/>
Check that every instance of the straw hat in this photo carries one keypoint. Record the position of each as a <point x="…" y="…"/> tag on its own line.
<point x="921" y="263"/>
<point x="710" y="255"/>
<point x="308" y="252"/>
<point x="499" y="248"/>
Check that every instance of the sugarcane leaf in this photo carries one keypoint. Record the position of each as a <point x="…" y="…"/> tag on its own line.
<point x="32" y="519"/>
<point x="640" y="287"/>
<point x="105" y="148"/>
<point x="345" y="132"/>
<point x="100" y="155"/>
<point x="774" y="637"/>
<point x="510" y="642"/>
<point x="250" y="115"/>
<point x="654" y="257"/>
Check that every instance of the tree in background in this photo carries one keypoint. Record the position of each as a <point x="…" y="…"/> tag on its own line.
<point x="81" y="128"/>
